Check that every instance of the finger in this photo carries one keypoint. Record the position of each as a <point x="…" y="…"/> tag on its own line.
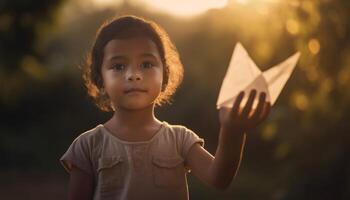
<point x="260" y="107"/>
<point x="265" y="112"/>
<point x="248" y="105"/>
<point x="237" y="103"/>
<point x="223" y="112"/>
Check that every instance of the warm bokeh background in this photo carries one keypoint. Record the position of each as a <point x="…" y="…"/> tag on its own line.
<point x="300" y="152"/>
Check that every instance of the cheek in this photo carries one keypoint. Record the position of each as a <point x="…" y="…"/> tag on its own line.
<point x="159" y="78"/>
<point x="111" y="82"/>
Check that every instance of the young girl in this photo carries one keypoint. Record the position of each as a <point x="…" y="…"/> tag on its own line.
<point x="132" y="67"/>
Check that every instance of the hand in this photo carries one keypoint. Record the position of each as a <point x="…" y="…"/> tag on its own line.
<point x="245" y="119"/>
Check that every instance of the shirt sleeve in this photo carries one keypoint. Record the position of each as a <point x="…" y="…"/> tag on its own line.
<point x="189" y="139"/>
<point x="78" y="154"/>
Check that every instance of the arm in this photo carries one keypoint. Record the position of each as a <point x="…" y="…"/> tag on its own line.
<point x="219" y="171"/>
<point x="216" y="171"/>
<point x="80" y="185"/>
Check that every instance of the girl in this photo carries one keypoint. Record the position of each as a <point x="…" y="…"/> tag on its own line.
<point x="132" y="67"/>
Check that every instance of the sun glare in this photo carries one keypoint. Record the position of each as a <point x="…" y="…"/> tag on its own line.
<point x="182" y="8"/>
<point x="257" y="1"/>
<point x="106" y="3"/>
<point x="242" y="1"/>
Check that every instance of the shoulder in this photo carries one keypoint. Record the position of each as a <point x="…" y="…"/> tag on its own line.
<point x="82" y="150"/>
<point x="176" y="128"/>
<point x="180" y="132"/>
<point x="91" y="137"/>
<point x="183" y="137"/>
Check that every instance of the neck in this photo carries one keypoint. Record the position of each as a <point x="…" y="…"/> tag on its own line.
<point x="134" y="119"/>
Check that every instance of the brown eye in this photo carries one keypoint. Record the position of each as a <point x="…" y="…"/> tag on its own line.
<point x="118" y="67"/>
<point x="147" y="65"/>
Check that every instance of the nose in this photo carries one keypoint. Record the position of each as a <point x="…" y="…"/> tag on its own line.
<point x="133" y="75"/>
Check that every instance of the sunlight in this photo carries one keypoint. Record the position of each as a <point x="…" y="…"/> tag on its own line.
<point x="242" y="1"/>
<point x="105" y="3"/>
<point x="182" y="8"/>
<point x="314" y="46"/>
<point x="300" y="100"/>
<point x="292" y="26"/>
<point x="257" y="1"/>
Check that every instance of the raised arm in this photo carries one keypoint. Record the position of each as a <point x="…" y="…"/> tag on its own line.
<point x="219" y="171"/>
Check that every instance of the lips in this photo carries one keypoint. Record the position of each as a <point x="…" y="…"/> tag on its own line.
<point x="131" y="90"/>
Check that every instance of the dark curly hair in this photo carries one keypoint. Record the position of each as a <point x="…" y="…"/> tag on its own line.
<point x="124" y="27"/>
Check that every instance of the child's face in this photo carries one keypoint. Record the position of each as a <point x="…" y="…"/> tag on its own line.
<point x="132" y="72"/>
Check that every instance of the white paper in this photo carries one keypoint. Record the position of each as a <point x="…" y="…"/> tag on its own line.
<point x="243" y="75"/>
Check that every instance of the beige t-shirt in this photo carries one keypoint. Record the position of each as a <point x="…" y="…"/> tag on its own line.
<point x="152" y="169"/>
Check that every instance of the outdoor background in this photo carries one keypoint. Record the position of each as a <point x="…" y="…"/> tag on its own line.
<point x="300" y="152"/>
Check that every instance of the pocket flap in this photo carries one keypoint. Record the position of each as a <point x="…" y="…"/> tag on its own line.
<point x="108" y="162"/>
<point x="167" y="162"/>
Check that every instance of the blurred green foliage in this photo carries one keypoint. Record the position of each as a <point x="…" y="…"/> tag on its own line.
<point x="300" y="152"/>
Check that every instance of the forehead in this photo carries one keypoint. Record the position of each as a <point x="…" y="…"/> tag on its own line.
<point x="130" y="46"/>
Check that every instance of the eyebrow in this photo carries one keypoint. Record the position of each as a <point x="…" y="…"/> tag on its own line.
<point x="125" y="57"/>
<point x="148" y="55"/>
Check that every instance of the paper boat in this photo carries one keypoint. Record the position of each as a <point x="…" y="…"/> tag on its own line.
<point x="244" y="75"/>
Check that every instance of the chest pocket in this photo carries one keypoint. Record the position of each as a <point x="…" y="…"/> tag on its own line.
<point x="110" y="174"/>
<point x="168" y="171"/>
